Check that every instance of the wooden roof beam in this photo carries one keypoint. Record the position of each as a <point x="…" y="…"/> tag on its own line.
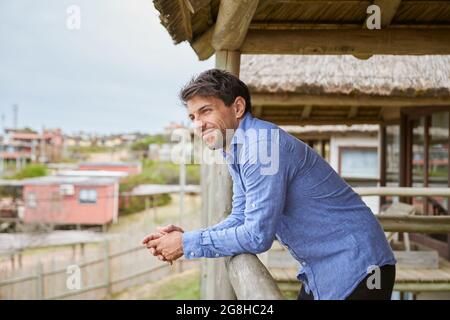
<point x="297" y="99"/>
<point x="232" y="23"/>
<point x="185" y="19"/>
<point x="385" y="41"/>
<point x="352" y="112"/>
<point x="195" y="5"/>
<point x="388" y="9"/>
<point x="306" y="112"/>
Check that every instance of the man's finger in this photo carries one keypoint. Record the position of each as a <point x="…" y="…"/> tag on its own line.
<point x="151" y="236"/>
<point x="170" y="228"/>
<point x="153" y="243"/>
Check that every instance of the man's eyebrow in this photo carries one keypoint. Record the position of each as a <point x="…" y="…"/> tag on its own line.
<point x="200" y="109"/>
<point x="203" y="107"/>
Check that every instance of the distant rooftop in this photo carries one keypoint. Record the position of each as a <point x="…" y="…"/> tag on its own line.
<point x="69" y="180"/>
<point x="110" y="164"/>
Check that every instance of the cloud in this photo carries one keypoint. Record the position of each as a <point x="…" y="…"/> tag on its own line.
<point x="120" y="72"/>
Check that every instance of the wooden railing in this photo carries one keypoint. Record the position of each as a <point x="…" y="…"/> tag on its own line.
<point x="251" y="280"/>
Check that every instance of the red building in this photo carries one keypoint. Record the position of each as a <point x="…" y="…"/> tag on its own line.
<point x="31" y="146"/>
<point x="71" y="200"/>
<point x="128" y="167"/>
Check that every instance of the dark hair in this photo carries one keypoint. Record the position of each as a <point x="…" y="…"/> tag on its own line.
<point x="217" y="83"/>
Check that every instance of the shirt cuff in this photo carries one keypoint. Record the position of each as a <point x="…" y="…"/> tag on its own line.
<point x="192" y="244"/>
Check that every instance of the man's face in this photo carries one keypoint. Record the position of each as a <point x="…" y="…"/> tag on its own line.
<point x="211" y="118"/>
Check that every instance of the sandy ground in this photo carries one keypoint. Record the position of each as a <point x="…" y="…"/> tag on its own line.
<point x="128" y="232"/>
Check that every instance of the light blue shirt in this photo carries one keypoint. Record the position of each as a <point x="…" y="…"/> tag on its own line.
<point x="303" y="203"/>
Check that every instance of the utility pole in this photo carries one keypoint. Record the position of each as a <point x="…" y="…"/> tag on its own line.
<point x="2" y="147"/>
<point x="15" y="116"/>
<point x="182" y="178"/>
<point x="3" y="122"/>
<point x="42" y="155"/>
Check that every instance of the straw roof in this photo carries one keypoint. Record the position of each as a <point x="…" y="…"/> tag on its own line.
<point x="410" y="76"/>
<point x="194" y="21"/>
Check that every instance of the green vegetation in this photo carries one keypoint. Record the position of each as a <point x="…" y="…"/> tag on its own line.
<point x="30" y="171"/>
<point x="137" y="204"/>
<point x="184" y="287"/>
<point x="155" y="173"/>
<point x="142" y="145"/>
<point x="90" y="149"/>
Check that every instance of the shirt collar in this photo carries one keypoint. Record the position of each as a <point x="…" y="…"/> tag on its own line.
<point x="236" y="143"/>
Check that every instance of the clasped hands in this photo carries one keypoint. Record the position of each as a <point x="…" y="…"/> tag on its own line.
<point x="166" y="244"/>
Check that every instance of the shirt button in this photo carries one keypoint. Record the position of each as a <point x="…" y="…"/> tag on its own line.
<point x="217" y="254"/>
<point x="192" y="254"/>
<point x="253" y="205"/>
<point x="303" y="263"/>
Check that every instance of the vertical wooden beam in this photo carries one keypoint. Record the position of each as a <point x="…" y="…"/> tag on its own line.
<point x="403" y="165"/>
<point x="232" y="23"/>
<point x="388" y="10"/>
<point x="382" y="141"/>
<point x="426" y="159"/>
<point x="352" y="112"/>
<point x="448" y="199"/>
<point x="216" y="203"/>
<point x="306" y="112"/>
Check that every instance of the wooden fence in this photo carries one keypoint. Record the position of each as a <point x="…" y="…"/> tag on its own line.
<point x="101" y="277"/>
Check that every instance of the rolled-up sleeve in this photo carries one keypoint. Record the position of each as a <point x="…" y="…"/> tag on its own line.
<point x="265" y="196"/>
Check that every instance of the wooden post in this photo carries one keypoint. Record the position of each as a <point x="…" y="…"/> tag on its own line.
<point x="39" y="281"/>
<point x="382" y="144"/>
<point x="107" y="268"/>
<point x="216" y="203"/>
<point x="251" y="279"/>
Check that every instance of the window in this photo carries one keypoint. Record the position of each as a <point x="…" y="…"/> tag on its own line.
<point x="88" y="196"/>
<point x="31" y="200"/>
<point x="392" y="155"/>
<point x="358" y="162"/>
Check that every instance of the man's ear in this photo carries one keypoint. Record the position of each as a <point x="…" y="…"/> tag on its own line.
<point x="239" y="107"/>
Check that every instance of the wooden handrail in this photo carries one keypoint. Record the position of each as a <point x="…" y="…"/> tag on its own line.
<point x="402" y="191"/>
<point x="419" y="224"/>
<point x="250" y="278"/>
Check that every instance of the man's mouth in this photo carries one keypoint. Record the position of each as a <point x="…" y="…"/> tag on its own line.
<point x="207" y="132"/>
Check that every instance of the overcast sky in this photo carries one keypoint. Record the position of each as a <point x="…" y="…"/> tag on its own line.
<point x="120" y="72"/>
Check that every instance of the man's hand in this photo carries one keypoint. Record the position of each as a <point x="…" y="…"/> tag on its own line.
<point x="156" y="235"/>
<point x="152" y="250"/>
<point x="170" y="245"/>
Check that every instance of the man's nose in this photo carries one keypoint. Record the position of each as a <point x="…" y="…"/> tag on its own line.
<point x="198" y="125"/>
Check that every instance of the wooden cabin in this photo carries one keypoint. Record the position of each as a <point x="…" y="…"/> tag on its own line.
<point x="395" y="76"/>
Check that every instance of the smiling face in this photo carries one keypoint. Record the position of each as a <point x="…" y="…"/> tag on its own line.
<point x="211" y="118"/>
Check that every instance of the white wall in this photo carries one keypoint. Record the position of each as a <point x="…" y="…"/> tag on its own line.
<point x="355" y="140"/>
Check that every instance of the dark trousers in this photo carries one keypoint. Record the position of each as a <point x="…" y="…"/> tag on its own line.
<point x="362" y="291"/>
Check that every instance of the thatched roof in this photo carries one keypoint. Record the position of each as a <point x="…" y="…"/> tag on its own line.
<point x="193" y="20"/>
<point x="367" y="129"/>
<point x="410" y="76"/>
<point x="324" y="89"/>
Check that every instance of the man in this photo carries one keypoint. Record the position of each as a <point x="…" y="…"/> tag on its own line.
<point x="300" y="200"/>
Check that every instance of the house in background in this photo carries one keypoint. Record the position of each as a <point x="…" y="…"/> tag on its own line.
<point x="130" y="168"/>
<point x="70" y="200"/>
<point x="352" y="151"/>
<point x="22" y="146"/>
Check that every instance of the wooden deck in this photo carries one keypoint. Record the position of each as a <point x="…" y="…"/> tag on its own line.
<point x="407" y="279"/>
